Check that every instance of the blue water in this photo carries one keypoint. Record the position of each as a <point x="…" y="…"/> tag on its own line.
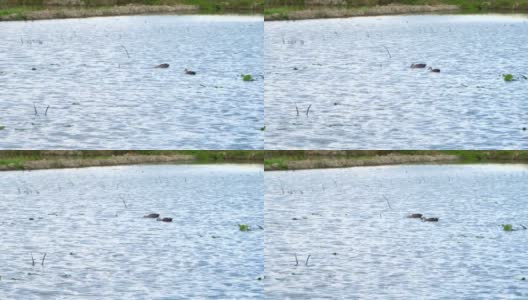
<point x="98" y="78"/>
<point x="352" y="222"/>
<point x="97" y="248"/>
<point x="354" y="76"/>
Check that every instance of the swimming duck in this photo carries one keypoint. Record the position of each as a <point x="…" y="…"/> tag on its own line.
<point x="429" y="219"/>
<point x="434" y="70"/>
<point x="415" y="216"/>
<point x="162" y="66"/>
<point x="418" y="66"/>
<point x="189" y="72"/>
<point x="164" y="219"/>
<point x="151" y="216"/>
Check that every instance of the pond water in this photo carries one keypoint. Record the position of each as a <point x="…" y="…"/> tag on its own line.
<point x="98" y="78"/>
<point x="353" y="224"/>
<point x="96" y="248"/>
<point x="355" y="73"/>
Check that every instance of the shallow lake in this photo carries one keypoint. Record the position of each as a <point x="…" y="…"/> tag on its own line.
<point x="96" y="248"/>
<point x="355" y="73"/>
<point x="98" y="78"/>
<point x="353" y="224"/>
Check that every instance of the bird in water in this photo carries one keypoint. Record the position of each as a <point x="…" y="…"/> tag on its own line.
<point x="164" y="219"/>
<point x="189" y="72"/>
<point x="429" y="219"/>
<point x="415" y="216"/>
<point x="418" y="66"/>
<point x="434" y="70"/>
<point x="151" y="216"/>
<point x="162" y="66"/>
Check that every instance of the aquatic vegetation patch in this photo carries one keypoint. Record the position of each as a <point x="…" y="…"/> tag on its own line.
<point x="509" y="227"/>
<point x="244" y="227"/>
<point x="247" y="77"/>
<point x="508" y="77"/>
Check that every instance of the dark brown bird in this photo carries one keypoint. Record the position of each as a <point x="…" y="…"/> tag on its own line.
<point x="189" y="72"/>
<point x="151" y="216"/>
<point x="418" y="66"/>
<point x="163" y="66"/>
<point x="165" y="219"/>
<point x="429" y="219"/>
<point x="415" y="216"/>
<point x="434" y="70"/>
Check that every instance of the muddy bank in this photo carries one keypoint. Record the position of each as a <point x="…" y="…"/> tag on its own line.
<point x="85" y="12"/>
<point x="340" y="12"/>
<point x="72" y="162"/>
<point x="391" y="159"/>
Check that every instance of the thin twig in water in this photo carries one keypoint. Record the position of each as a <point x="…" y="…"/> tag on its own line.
<point x="124" y="202"/>
<point x="308" y="110"/>
<point x="297" y="110"/>
<point x="296" y="260"/>
<point x="388" y="203"/>
<point x="46" y="112"/>
<point x="388" y="52"/>
<point x="126" y="51"/>
<point x="35" y="108"/>
<point x="43" y="258"/>
<point x="306" y="263"/>
<point x="32" y="259"/>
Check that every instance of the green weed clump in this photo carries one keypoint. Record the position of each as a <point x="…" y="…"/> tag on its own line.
<point x="247" y="77"/>
<point x="507" y="227"/>
<point x="508" y="77"/>
<point x="243" y="227"/>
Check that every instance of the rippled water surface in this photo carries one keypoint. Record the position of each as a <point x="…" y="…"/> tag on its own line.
<point x="355" y="73"/>
<point x="353" y="224"/>
<point x="97" y="77"/>
<point x="96" y="248"/>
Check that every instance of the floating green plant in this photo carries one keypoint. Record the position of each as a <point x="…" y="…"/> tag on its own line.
<point x="262" y="128"/>
<point x="243" y="227"/>
<point x="247" y="77"/>
<point x="507" y="77"/>
<point x="507" y="227"/>
<point x="2" y="127"/>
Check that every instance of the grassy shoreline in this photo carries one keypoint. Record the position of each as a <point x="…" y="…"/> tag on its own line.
<point x="301" y="160"/>
<point x="324" y="12"/>
<point x="272" y="160"/>
<point x="39" y="160"/>
<point x="31" y="10"/>
<point x="31" y="13"/>
<point x="316" y="9"/>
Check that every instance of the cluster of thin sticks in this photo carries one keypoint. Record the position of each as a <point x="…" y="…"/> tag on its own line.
<point x="33" y="260"/>
<point x="297" y="260"/>
<point x="36" y="111"/>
